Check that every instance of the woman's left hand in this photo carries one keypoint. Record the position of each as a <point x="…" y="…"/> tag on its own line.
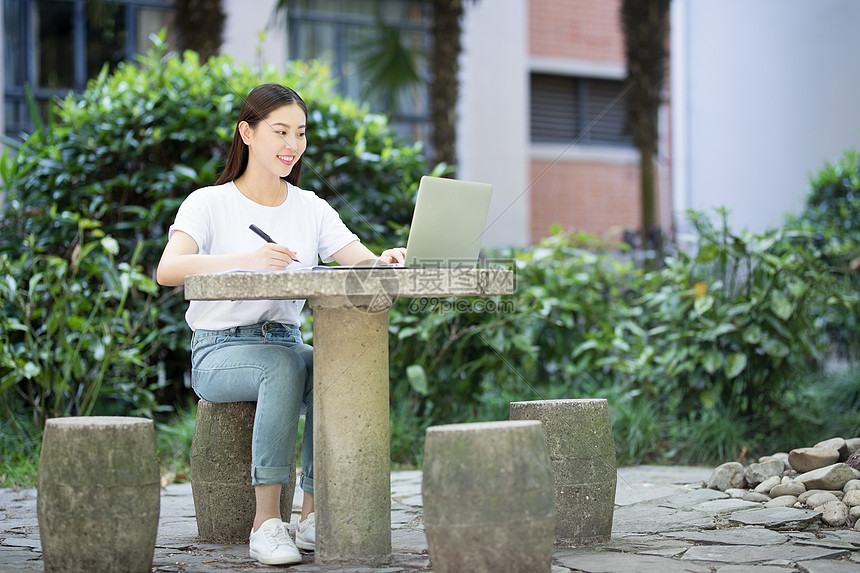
<point x="395" y="255"/>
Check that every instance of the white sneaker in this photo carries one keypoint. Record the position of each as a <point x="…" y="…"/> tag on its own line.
<point x="306" y="533"/>
<point x="272" y="544"/>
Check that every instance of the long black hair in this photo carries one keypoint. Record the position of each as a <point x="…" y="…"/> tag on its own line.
<point x="263" y="100"/>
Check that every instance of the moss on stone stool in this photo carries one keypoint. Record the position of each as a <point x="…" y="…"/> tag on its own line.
<point x="224" y="500"/>
<point x="488" y="498"/>
<point x="582" y="452"/>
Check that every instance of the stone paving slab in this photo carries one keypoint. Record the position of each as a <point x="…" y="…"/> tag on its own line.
<point x="755" y="569"/>
<point x="647" y="545"/>
<point x="776" y="517"/>
<point x="741" y="554"/>
<point x="610" y="562"/>
<point x="648" y="518"/>
<point x="829" y="567"/>
<point x="736" y="536"/>
<point x="665" y="521"/>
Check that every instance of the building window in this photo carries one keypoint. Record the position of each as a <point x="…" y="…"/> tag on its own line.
<point x="570" y="109"/>
<point x="54" y="46"/>
<point x="339" y="32"/>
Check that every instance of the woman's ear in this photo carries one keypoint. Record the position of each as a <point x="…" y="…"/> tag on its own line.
<point x="245" y="131"/>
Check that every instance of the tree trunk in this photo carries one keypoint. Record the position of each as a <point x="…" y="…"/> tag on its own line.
<point x="201" y="26"/>
<point x="444" y="82"/>
<point x="646" y="25"/>
<point x="648" y="192"/>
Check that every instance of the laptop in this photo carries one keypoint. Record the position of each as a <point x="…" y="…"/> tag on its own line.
<point x="447" y="225"/>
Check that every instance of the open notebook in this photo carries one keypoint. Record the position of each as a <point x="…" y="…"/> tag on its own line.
<point x="447" y="225"/>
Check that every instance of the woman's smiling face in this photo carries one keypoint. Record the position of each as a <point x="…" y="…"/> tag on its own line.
<point x="278" y="141"/>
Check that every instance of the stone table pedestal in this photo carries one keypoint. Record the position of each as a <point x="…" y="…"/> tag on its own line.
<point x="351" y="409"/>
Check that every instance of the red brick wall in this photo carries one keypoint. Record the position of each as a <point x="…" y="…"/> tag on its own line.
<point x="587" y="30"/>
<point x="584" y="196"/>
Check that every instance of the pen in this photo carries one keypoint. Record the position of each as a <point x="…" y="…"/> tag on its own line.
<point x="264" y="236"/>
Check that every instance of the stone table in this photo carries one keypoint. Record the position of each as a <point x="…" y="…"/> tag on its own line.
<point x="351" y="406"/>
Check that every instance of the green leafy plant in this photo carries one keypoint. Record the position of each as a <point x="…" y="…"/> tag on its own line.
<point x="20" y="444"/>
<point x="712" y="436"/>
<point x="831" y="216"/>
<point x="840" y="396"/>
<point x="173" y="437"/>
<point x="833" y="202"/>
<point x="735" y="322"/>
<point x="638" y="427"/>
<point x="731" y="331"/>
<point x="68" y="341"/>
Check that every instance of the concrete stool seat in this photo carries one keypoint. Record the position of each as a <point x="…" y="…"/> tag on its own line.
<point x="224" y="501"/>
<point x="582" y="449"/>
<point x="98" y="502"/>
<point x="488" y="498"/>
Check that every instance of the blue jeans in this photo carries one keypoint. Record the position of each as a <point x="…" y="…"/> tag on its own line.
<point x="268" y="364"/>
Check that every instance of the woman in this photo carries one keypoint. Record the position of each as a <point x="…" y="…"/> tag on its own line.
<point x="252" y="350"/>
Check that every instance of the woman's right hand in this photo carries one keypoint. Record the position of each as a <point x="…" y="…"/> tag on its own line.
<point x="180" y="259"/>
<point x="272" y="257"/>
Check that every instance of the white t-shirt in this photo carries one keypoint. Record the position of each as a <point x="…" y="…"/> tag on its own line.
<point x="218" y="217"/>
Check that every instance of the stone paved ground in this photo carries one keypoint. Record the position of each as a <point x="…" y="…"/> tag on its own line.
<point x="665" y="522"/>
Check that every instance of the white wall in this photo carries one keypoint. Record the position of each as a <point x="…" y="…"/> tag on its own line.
<point x="764" y="92"/>
<point x="245" y="21"/>
<point x="493" y="136"/>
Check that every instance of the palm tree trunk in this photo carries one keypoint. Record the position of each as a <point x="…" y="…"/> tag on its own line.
<point x="646" y="25"/>
<point x="648" y="190"/>
<point x="444" y="83"/>
<point x="201" y="26"/>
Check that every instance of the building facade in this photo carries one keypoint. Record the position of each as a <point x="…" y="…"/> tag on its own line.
<point x="539" y="113"/>
<point x="52" y="47"/>
<point x="543" y="119"/>
<point x="760" y="94"/>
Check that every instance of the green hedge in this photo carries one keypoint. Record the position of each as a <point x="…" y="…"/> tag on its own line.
<point x="730" y="335"/>
<point x="123" y="155"/>
<point x="716" y="351"/>
<point x="832" y="215"/>
<point x="71" y="339"/>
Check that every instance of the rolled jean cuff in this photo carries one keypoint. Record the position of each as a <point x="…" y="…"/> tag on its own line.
<point x="306" y="483"/>
<point x="261" y="475"/>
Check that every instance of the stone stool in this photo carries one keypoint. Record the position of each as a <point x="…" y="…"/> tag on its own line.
<point x="488" y="498"/>
<point x="98" y="494"/>
<point x="582" y="449"/>
<point x="224" y="501"/>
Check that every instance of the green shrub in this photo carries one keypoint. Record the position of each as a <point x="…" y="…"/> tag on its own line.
<point x="173" y="439"/>
<point x="720" y="344"/>
<point x="839" y="394"/>
<point x="20" y="444"/>
<point x="638" y="427"/>
<point x="68" y="342"/>
<point x="833" y="202"/>
<point x="730" y="332"/>
<point x="130" y="148"/>
<point x="735" y="323"/>
<point x="832" y="214"/>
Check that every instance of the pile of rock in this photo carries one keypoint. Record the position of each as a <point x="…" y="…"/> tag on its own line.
<point x="824" y="478"/>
